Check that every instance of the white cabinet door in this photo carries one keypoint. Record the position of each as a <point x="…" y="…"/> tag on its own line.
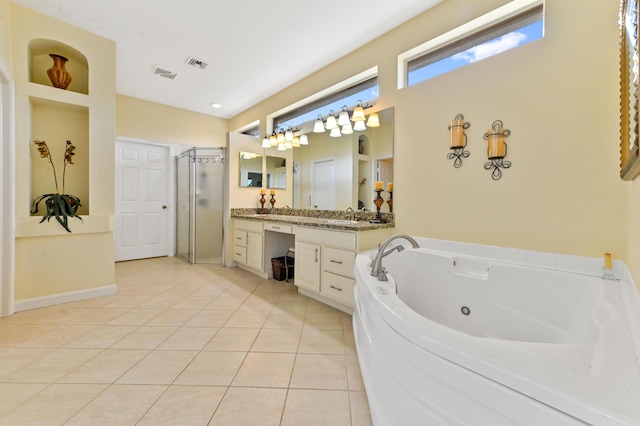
<point x="307" y="269"/>
<point x="254" y="250"/>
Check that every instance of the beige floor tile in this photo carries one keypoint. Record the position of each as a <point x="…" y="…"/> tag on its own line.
<point x="136" y="317"/>
<point x="52" y="367"/>
<point x="250" y="407"/>
<point x="323" y="320"/>
<point x="158" y="368"/>
<point x="14" y="394"/>
<point x="210" y="318"/>
<point x="161" y="302"/>
<point x="12" y="359"/>
<point x="212" y="369"/>
<point x="184" y="405"/>
<point x="193" y="302"/>
<point x="233" y="339"/>
<point x="321" y="341"/>
<point x="106" y="367"/>
<point x="58" y="337"/>
<point x="259" y="369"/>
<point x="128" y="302"/>
<point x="319" y="371"/>
<point x="282" y="319"/>
<point x="118" y="405"/>
<point x="173" y="317"/>
<point x="316" y="407"/>
<point x="277" y="340"/>
<point x="85" y="316"/>
<point x="19" y="335"/>
<point x="189" y="338"/>
<point x="226" y="303"/>
<point x="145" y="337"/>
<point x="102" y="336"/>
<point x="259" y="303"/>
<point x="251" y="319"/>
<point x="53" y="406"/>
<point x="360" y="415"/>
<point x="354" y="375"/>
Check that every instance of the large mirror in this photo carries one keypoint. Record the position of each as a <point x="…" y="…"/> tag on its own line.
<point x="276" y="172"/>
<point x="250" y="169"/>
<point x="629" y="150"/>
<point x="336" y="173"/>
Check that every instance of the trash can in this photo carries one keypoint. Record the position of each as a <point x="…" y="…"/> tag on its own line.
<point x="278" y="267"/>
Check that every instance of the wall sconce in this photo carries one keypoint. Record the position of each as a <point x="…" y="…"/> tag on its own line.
<point x="458" y="140"/>
<point x="496" y="149"/>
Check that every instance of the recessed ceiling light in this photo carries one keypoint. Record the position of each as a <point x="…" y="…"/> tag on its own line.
<point x="216" y="106"/>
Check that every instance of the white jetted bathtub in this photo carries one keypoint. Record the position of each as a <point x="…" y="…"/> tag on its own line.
<point x="463" y="334"/>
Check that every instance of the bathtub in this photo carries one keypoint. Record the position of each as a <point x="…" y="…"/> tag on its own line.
<point x="464" y="334"/>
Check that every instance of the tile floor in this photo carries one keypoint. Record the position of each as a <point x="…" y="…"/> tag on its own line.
<point x="182" y="345"/>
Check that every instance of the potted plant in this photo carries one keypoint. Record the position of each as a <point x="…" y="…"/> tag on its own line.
<point x="61" y="206"/>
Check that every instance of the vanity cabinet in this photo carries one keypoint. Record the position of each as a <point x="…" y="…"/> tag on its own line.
<point x="307" y="266"/>
<point x="248" y="243"/>
<point x="324" y="265"/>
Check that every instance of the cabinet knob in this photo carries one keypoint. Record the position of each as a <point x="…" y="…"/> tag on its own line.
<point x="164" y="207"/>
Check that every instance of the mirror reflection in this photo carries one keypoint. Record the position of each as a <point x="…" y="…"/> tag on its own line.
<point x="336" y="173"/>
<point x="276" y="172"/>
<point x="250" y="169"/>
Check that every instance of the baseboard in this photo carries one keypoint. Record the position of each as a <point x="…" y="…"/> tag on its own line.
<point x="57" y="299"/>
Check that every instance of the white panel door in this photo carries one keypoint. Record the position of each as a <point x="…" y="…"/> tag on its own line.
<point x="323" y="186"/>
<point x="142" y="197"/>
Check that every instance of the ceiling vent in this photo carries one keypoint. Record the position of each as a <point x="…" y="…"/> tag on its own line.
<point x="164" y="73"/>
<point x="196" y="63"/>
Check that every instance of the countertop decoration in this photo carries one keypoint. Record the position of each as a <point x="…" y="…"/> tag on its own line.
<point x="58" y="205"/>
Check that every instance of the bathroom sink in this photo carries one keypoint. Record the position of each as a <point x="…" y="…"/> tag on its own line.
<point x="342" y="221"/>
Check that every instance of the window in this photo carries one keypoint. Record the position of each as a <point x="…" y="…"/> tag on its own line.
<point x="365" y="90"/>
<point x="512" y="25"/>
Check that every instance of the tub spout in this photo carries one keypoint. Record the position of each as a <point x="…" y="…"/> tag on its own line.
<point x="376" y="269"/>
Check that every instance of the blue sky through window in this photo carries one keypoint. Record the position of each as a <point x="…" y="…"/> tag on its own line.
<point x="482" y="51"/>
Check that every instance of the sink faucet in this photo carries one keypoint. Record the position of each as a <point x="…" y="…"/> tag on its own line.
<point x="352" y="214"/>
<point x="376" y="268"/>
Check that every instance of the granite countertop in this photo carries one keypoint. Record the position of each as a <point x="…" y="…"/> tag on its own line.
<point x="329" y="219"/>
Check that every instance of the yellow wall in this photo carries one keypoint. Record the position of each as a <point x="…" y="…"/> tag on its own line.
<point x="559" y="98"/>
<point x="48" y="260"/>
<point x="137" y="118"/>
<point x="5" y="32"/>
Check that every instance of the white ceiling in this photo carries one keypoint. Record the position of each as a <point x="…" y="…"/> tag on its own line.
<point x="254" y="48"/>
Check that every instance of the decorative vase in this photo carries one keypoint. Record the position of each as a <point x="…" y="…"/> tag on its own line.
<point x="58" y="75"/>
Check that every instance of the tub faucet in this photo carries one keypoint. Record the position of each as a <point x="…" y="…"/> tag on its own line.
<point x="376" y="269"/>
<point x="352" y="214"/>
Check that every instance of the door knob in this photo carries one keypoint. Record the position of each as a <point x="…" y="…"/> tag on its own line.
<point x="164" y="207"/>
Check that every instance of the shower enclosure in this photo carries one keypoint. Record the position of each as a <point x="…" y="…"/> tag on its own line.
<point x="200" y="198"/>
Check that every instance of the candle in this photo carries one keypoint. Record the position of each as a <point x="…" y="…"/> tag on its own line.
<point x="607" y="260"/>
<point x="272" y="192"/>
<point x="379" y="185"/>
<point x="390" y="187"/>
<point x="262" y="191"/>
<point x="457" y="135"/>
<point x="496" y="147"/>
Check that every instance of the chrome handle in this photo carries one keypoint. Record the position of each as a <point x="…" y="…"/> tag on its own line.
<point x="275" y="227"/>
<point x="316" y="255"/>
<point x="238" y="254"/>
<point x="335" y="288"/>
<point x="336" y="261"/>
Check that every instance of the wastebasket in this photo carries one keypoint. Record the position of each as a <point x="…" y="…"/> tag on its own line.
<point x="279" y="270"/>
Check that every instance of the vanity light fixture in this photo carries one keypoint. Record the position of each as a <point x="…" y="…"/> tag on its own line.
<point x="318" y="127"/>
<point x="332" y="123"/>
<point x="347" y="129"/>
<point x="335" y="132"/>
<point x="458" y="140"/>
<point x="359" y="126"/>
<point x="358" y="112"/>
<point x="304" y="140"/>
<point x="343" y="118"/>
<point x="265" y="141"/>
<point x="496" y="149"/>
<point x="374" y="120"/>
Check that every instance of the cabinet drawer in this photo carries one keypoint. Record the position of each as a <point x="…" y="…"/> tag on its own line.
<point x="278" y="227"/>
<point x="240" y="254"/>
<point x="338" y="261"/>
<point x="338" y="288"/>
<point x="240" y="238"/>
